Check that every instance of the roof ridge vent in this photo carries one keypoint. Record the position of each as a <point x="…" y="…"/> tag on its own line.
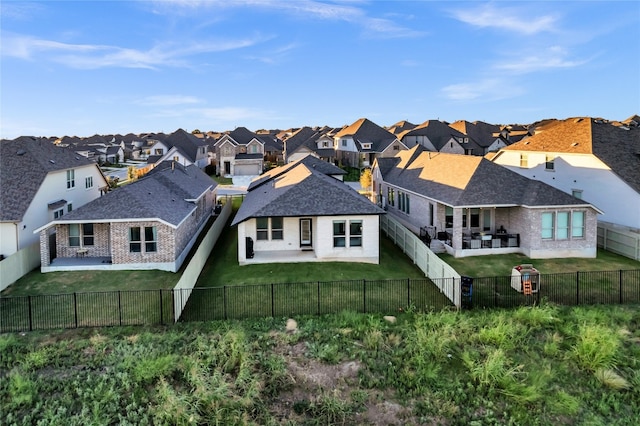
<point x="21" y="152"/>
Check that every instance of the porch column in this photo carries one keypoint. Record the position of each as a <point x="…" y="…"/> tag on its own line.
<point x="456" y="237"/>
<point x="44" y="248"/>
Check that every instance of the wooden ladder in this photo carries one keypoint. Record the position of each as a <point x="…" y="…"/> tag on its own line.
<point x="526" y="287"/>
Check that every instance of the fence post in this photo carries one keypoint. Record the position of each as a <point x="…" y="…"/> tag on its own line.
<point x="495" y="292"/>
<point x="408" y="292"/>
<point x="30" y="317"/>
<point x="75" y="309"/>
<point x="620" y="286"/>
<point x="364" y="296"/>
<point x="577" y="288"/>
<point x="161" y="313"/>
<point x="273" y="315"/>
<point x="224" y="298"/>
<point x="119" y="307"/>
<point x="318" y="297"/>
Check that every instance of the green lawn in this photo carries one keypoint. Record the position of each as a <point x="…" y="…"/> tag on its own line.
<point x="501" y="265"/>
<point x="223" y="268"/>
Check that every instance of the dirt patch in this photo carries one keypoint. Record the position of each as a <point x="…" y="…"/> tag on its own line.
<point x="319" y="389"/>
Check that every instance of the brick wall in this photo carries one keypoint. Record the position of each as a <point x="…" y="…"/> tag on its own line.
<point x="120" y="244"/>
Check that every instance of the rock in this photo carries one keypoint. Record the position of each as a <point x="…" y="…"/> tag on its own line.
<point x="390" y="318"/>
<point x="292" y="326"/>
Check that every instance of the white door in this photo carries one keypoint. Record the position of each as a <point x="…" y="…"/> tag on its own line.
<point x="305" y="232"/>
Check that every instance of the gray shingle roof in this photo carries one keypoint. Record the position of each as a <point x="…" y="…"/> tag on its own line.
<point x="187" y="143"/>
<point x="24" y="164"/>
<point x="309" y="161"/>
<point x="303" y="191"/>
<point x="463" y="180"/>
<point x="438" y="132"/>
<point x="162" y="194"/>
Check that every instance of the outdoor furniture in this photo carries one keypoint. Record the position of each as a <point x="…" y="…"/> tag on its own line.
<point x="496" y="242"/>
<point x="82" y="252"/>
<point x="475" y="244"/>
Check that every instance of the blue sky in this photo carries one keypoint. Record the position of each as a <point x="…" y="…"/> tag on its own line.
<point x="81" y="68"/>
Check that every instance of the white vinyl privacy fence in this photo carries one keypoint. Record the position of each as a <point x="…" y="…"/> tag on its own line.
<point x="438" y="271"/>
<point x="619" y="240"/>
<point x="14" y="267"/>
<point x="195" y="266"/>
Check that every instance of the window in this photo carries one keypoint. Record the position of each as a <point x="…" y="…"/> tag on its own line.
<point x="396" y="148"/>
<point x="468" y="151"/>
<point x="150" y="239"/>
<point x="159" y="151"/>
<point x="547" y="226"/>
<point x="69" y="207"/>
<point x="475" y="218"/>
<point x="403" y="202"/>
<point x="344" y="142"/>
<point x="549" y="162"/>
<point x="88" y="182"/>
<point x="339" y="233"/>
<point x="577" y="193"/>
<point x="391" y="197"/>
<point x="57" y="214"/>
<point x="71" y="179"/>
<point x="135" y="243"/>
<point x="431" y="215"/>
<point x="262" y="228"/>
<point x="74" y="235"/>
<point x="87" y="234"/>
<point x="355" y="233"/>
<point x="276" y="228"/>
<point x="176" y="158"/>
<point x="524" y="160"/>
<point x="577" y="224"/>
<point x="448" y="217"/>
<point x="562" y="219"/>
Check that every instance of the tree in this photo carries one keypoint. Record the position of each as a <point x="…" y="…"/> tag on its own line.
<point x="196" y="132"/>
<point x="366" y="179"/>
<point x="132" y="173"/>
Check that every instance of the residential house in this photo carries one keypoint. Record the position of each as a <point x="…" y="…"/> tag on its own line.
<point x="41" y="182"/>
<point x="587" y="157"/>
<point x="362" y="142"/>
<point x="478" y="207"/>
<point x="401" y="126"/>
<point x="310" y="141"/>
<point x="151" y="223"/>
<point x="487" y="136"/>
<point x="181" y="147"/>
<point x="297" y="213"/>
<point x="436" y="136"/>
<point x="241" y="153"/>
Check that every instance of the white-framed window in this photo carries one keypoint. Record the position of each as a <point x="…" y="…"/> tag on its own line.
<point x="577" y="224"/>
<point x="549" y="162"/>
<point x="277" y="228"/>
<point x="339" y="233"/>
<point x="88" y="182"/>
<point x="74" y="235"/>
<point x="71" y="179"/>
<point x="150" y="239"/>
<point x="524" y="160"/>
<point x="266" y="224"/>
<point x="563" y="225"/>
<point x="136" y="239"/>
<point x="87" y="234"/>
<point x="562" y="221"/>
<point x="355" y="233"/>
<point x="57" y="214"/>
<point x="159" y="151"/>
<point x="548" y="225"/>
<point x="262" y="228"/>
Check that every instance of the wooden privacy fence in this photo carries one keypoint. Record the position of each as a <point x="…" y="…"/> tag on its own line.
<point x="442" y="274"/>
<point x="619" y="240"/>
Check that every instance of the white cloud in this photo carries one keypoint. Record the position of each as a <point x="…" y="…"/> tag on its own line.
<point x="167" y="100"/>
<point x="507" y="18"/>
<point x="490" y="89"/>
<point x="308" y="9"/>
<point x="85" y="56"/>
<point x="552" y="58"/>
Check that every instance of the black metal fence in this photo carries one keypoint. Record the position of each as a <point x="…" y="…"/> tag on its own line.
<point x="576" y="288"/>
<point x="157" y="307"/>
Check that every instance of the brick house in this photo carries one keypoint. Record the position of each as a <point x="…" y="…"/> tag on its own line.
<point x="151" y="223"/>
<point x="475" y="207"/>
